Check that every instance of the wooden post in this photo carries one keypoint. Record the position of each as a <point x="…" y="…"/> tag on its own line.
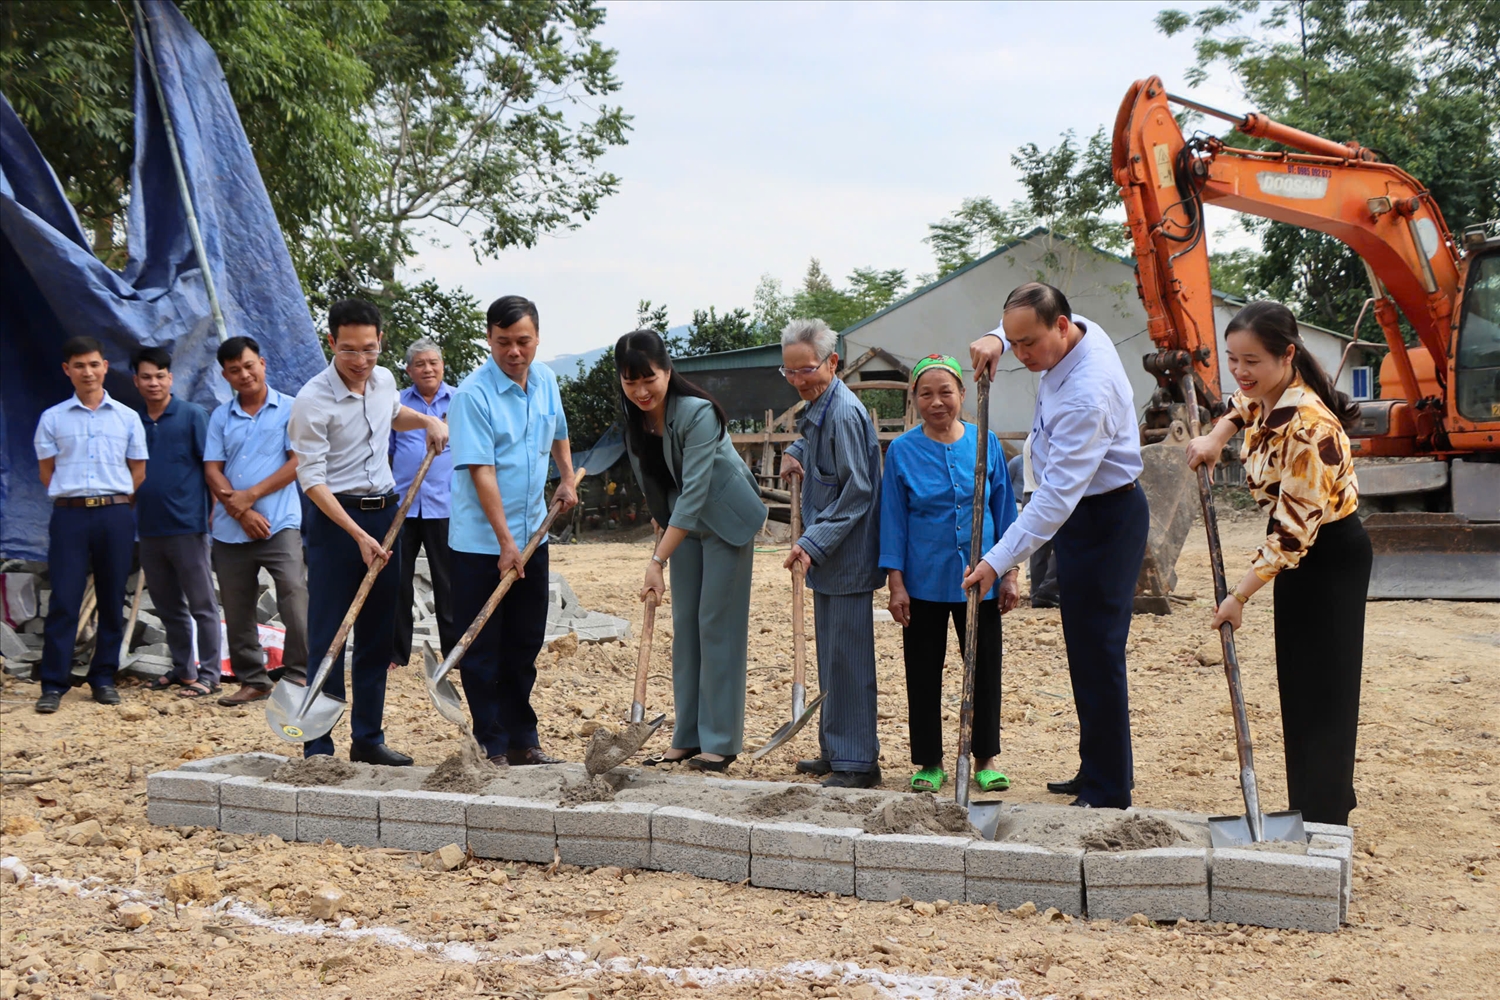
<point x="768" y="450"/>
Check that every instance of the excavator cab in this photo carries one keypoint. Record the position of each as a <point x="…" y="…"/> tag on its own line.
<point x="1476" y="374"/>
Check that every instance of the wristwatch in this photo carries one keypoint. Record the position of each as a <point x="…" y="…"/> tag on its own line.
<point x="658" y="560"/>
<point x="1235" y="593"/>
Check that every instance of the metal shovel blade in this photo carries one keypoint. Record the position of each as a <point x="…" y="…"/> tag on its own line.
<point x="294" y="724"/>
<point x="440" y="689"/>
<point x="1234" y="831"/>
<point x="792" y="728"/>
<point x="985" y="817"/>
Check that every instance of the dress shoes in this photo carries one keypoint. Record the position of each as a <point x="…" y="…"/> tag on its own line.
<point x="853" y="779"/>
<point x="107" y="694"/>
<point x="531" y="755"/>
<point x="817" y="766"/>
<point x="1073" y="786"/>
<point x="47" y="703"/>
<point x="377" y="753"/>
<point x="1080" y="804"/>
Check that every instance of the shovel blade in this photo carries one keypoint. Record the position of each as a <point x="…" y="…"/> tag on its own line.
<point x="985" y="817"/>
<point x="291" y="723"/>
<point x="792" y="728"/>
<point x="1234" y="831"/>
<point x="440" y="689"/>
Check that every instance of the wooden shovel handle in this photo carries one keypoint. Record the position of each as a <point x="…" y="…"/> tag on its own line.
<point x="799" y="574"/>
<point x="975" y="595"/>
<point x="643" y="661"/>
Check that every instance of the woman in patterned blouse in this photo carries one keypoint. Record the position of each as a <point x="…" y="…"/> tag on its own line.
<point x="1298" y="467"/>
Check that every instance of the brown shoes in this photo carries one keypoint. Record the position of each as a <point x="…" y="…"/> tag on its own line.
<point x="531" y="755"/>
<point x="245" y="695"/>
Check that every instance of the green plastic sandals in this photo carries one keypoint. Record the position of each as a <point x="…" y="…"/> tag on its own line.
<point x="929" y="779"/>
<point x="991" y="781"/>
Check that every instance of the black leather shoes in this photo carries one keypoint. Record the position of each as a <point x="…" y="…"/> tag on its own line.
<point x="1080" y="804"/>
<point x="817" y="766"/>
<point x="378" y="753"/>
<point x="531" y="755"/>
<point x="106" y="694"/>
<point x="47" y="703"/>
<point x="853" y="779"/>
<point x="1073" y="786"/>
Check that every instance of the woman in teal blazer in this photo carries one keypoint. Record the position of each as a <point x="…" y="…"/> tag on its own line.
<point x="705" y="497"/>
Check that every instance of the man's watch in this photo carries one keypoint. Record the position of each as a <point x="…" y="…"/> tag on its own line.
<point x="658" y="560"/>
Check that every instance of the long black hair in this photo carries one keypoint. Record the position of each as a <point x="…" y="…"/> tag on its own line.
<point x="637" y="354"/>
<point x="1276" y="328"/>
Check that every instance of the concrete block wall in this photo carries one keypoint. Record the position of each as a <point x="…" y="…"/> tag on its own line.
<point x="1267" y="888"/>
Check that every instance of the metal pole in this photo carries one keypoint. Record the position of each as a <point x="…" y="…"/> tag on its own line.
<point x="182" y="184"/>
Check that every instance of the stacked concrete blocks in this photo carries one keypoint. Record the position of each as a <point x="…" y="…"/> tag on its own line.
<point x="803" y="857"/>
<point x="254" y="762"/>
<point x="255" y="805"/>
<point x="1329" y="840"/>
<point x="700" y="843"/>
<point x="1008" y="875"/>
<point x="342" y="815"/>
<point x="1163" y="883"/>
<point x="512" y="829"/>
<point x="423" y="821"/>
<point x="1275" y="889"/>
<point x="605" y="833"/>
<point x="183" y="798"/>
<point x="892" y="865"/>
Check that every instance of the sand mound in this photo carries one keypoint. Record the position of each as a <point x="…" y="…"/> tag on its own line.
<point x="774" y="804"/>
<point x="465" y="771"/>
<point x="607" y="749"/>
<point x="920" y="815"/>
<point x="319" y="770"/>
<point x="1133" y="833"/>
<point x="595" y="789"/>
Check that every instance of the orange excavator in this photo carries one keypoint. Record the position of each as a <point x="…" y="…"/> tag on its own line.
<point x="1427" y="451"/>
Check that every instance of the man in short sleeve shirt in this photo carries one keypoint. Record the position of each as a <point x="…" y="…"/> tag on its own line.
<point x="341" y="432"/>
<point x="172" y="519"/>
<point x="91" y="453"/>
<point x="507" y="418"/>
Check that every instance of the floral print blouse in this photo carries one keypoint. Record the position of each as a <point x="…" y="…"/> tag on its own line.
<point x="1298" y="466"/>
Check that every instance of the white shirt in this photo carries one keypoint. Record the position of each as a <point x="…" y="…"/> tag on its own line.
<point x="93" y="448"/>
<point x="1084" y="441"/>
<point x="342" y="439"/>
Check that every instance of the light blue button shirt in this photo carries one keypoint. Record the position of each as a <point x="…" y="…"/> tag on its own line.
<point x="92" y="448"/>
<point x="1085" y="441"/>
<point x="493" y="421"/>
<point x="409" y="448"/>
<point x="251" y="449"/>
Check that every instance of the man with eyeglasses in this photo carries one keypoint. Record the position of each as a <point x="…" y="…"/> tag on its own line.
<point x="839" y="549"/>
<point x="340" y="430"/>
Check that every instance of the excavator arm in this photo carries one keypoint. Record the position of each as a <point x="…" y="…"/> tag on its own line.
<point x="1381" y="212"/>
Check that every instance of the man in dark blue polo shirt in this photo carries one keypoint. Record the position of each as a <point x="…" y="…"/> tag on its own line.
<point x="172" y="522"/>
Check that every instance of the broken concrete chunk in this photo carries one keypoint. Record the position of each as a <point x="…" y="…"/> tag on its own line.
<point x="444" y="859"/>
<point x="327" y="902"/>
<point x="133" y="915"/>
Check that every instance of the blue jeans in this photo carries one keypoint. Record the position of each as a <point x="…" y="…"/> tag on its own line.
<point x="84" y="540"/>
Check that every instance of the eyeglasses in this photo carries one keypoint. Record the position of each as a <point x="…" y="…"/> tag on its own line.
<point x="801" y="372"/>
<point x="349" y="355"/>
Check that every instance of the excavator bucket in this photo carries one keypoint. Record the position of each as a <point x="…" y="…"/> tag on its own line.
<point x="1172" y="494"/>
<point x="1444" y="557"/>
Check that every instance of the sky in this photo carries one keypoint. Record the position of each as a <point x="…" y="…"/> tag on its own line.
<point x="768" y="134"/>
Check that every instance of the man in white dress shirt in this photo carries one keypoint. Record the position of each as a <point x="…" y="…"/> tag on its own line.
<point x="1087" y="457"/>
<point x="341" y="432"/>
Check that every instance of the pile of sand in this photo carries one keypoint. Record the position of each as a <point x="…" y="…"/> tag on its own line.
<point x="465" y="771"/>
<point x="608" y="749"/>
<point x="920" y="815"/>
<point x="319" y="770"/>
<point x="1133" y="833"/>
<point x="799" y="798"/>
<point x="595" y="789"/>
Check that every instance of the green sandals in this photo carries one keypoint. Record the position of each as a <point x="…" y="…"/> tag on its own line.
<point x="930" y="779"/>
<point x="991" y="781"/>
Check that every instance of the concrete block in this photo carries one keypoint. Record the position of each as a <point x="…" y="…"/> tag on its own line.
<point x="889" y="866"/>
<point x="10" y="643"/>
<point x="701" y="844"/>
<point x="803" y="857"/>
<point x="605" y="833"/>
<point x="1271" y="889"/>
<point x="1008" y="875"/>
<point x="1329" y="830"/>
<point x="1164" y="883"/>
<point x="511" y="829"/>
<point x="1342" y="851"/>
<point x="423" y="821"/>
<point x="255" y="805"/>
<point x="183" y="798"/>
<point x="343" y="815"/>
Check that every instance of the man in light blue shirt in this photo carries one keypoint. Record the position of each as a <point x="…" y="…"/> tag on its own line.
<point x="426" y="525"/>
<point x="1086" y="455"/>
<point x="91" y="452"/>
<point x="506" y="417"/>
<point x="257" y="519"/>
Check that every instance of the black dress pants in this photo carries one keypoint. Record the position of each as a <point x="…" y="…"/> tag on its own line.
<point x="1320" y="637"/>
<point x="429" y="534"/>
<point x="924" y="644"/>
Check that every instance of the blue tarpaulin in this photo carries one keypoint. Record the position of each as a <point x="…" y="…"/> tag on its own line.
<point x="52" y="287"/>
<point x="599" y="459"/>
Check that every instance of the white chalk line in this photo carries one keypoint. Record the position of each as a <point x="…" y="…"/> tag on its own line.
<point x="895" y="985"/>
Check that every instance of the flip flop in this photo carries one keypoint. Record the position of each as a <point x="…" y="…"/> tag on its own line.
<point x="991" y="781"/>
<point x="929" y="779"/>
<point x="166" y="681"/>
<point x="197" y="690"/>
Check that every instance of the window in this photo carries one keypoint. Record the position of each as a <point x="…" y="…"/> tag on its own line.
<point x="1360" y="382"/>
<point x="1478" y="356"/>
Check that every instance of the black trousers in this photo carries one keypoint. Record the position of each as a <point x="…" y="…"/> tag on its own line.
<point x="335" y="570"/>
<point x="83" y="540"/>
<point x="499" y="670"/>
<point x="924" y="644"/>
<point x="431" y="534"/>
<point x="1320" y="642"/>
<point x="1099" y="552"/>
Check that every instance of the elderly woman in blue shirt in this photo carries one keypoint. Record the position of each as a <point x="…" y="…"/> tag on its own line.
<point x="926" y="523"/>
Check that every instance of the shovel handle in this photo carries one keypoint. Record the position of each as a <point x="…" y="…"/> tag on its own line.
<point x="975" y="595"/>
<point x="135" y="612"/>
<point x="510" y="577"/>
<point x="643" y="661"/>
<point x="799" y="580"/>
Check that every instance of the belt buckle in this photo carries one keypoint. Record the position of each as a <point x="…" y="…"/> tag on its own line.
<point x="372" y="503"/>
<point x="93" y="501"/>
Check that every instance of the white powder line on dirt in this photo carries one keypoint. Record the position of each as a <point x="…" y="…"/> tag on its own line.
<point x="895" y="985"/>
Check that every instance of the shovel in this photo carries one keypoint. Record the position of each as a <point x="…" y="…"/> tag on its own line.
<point x="609" y="750"/>
<point x="135" y="612"/>
<point x="984" y="816"/>
<point x="801" y="713"/>
<point x="440" y="689"/>
<point x="1255" y="826"/>
<point x="300" y="714"/>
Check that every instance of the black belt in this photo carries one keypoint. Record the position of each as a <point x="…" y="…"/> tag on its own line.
<point x="1118" y="489"/>
<point x="108" y="500"/>
<point x="354" y="501"/>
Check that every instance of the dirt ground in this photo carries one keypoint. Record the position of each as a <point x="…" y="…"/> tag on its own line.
<point x="1425" y="920"/>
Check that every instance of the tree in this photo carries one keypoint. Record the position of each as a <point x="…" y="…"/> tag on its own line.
<point x="1418" y="81"/>
<point x="870" y="290"/>
<point x="711" y="332"/>
<point x="771" y="307"/>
